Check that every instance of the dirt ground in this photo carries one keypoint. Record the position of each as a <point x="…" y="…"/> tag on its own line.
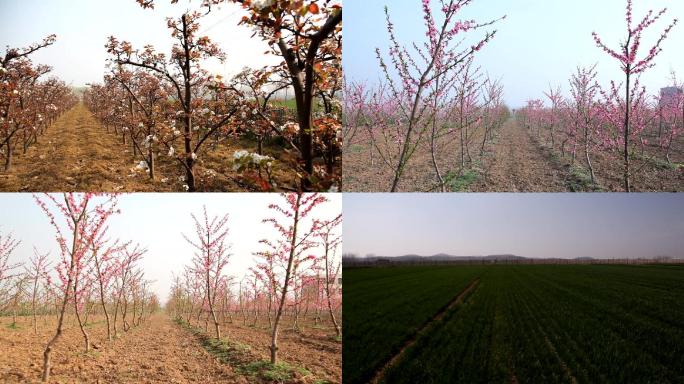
<point x="158" y="351"/>
<point x="78" y="154"/>
<point x="518" y="165"/>
<point x="516" y="161"/>
<point x="312" y="347"/>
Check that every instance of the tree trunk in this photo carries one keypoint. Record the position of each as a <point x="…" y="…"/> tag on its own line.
<point x="80" y="323"/>
<point x="327" y="293"/>
<point x="8" y="155"/>
<point x="628" y="103"/>
<point x="274" y="334"/>
<point x="60" y="321"/>
<point x="33" y="304"/>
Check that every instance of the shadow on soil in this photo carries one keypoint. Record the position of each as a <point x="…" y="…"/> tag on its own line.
<point x="244" y="362"/>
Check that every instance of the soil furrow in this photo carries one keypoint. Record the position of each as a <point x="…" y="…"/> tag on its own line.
<point x="380" y="373"/>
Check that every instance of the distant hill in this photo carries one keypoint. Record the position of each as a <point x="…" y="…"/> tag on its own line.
<point x="440" y="257"/>
<point x="443" y="258"/>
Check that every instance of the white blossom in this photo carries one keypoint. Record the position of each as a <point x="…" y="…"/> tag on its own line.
<point x="240" y="154"/>
<point x="171" y="151"/>
<point x="261" y="4"/>
<point x="246" y="160"/>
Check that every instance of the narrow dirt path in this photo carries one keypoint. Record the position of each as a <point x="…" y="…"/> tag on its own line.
<point x="519" y="165"/>
<point x="75" y="154"/>
<point x="380" y="374"/>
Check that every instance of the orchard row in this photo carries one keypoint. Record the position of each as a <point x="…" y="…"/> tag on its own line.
<point x="170" y="105"/>
<point x="433" y="95"/>
<point x="295" y="272"/>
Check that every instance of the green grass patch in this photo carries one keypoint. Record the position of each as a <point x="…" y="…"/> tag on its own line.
<point x="655" y="161"/>
<point x="356" y="148"/>
<point x="285" y="103"/>
<point x="244" y="361"/>
<point x="580" y="181"/>
<point x="460" y="183"/>
<point x="664" y="164"/>
<point x="279" y="372"/>
<point x="88" y="325"/>
<point x="13" y="326"/>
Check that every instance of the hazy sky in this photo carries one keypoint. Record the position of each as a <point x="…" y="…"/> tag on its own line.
<point x="533" y="225"/>
<point x="156" y="220"/>
<point x="83" y="26"/>
<point x="540" y="42"/>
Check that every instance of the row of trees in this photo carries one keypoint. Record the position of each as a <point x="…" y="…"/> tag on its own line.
<point x="432" y="95"/>
<point x="170" y="105"/>
<point x="28" y="104"/>
<point x="296" y="272"/>
<point x="618" y="118"/>
<point x="93" y="274"/>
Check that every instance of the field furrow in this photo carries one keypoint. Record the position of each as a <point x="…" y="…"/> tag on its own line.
<point x="534" y="324"/>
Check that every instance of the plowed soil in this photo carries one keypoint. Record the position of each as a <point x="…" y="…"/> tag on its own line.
<point x="78" y="154"/>
<point x="312" y="348"/>
<point x="157" y="351"/>
<point x="517" y="160"/>
<point x="519" y="166"/>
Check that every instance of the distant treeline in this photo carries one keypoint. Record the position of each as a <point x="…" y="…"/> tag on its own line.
<point x="352" y="261"/>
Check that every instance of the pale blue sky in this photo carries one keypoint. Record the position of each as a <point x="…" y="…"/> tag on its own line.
<point x="156" y="220"/>
<point x="533" y="225"/>
<point x="83" y="26"/>
<point x="540" y="42"/>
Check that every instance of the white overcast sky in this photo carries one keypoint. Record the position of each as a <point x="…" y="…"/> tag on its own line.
<point x="156" y="220"/>
<point x="83" y="26"/>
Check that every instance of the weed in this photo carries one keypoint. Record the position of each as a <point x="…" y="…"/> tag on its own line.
<point x="460" y="183"/>
<point x="579" y="180"/>
<point x="356" y="148"/>
<point x="243" y="361"/>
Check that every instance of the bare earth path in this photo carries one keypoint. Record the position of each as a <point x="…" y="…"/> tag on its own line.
<point x="519" y="165"/>
<point x="162" y="352"/>
<point x="158" y="351"/>
<point x="75" y="154"/>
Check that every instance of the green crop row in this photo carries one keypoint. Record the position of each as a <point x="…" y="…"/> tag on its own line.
<point x="383" y="307"/>
<point x="550" y="324"/>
